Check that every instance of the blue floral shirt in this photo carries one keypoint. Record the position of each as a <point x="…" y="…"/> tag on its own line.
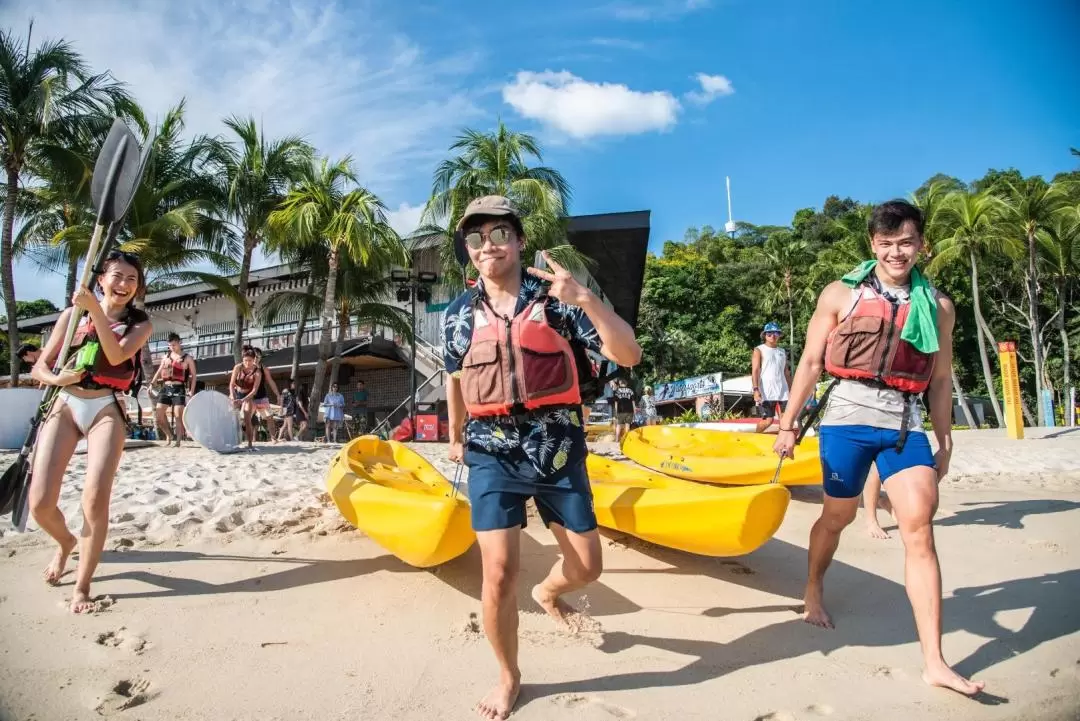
<point x="552" y="440"/>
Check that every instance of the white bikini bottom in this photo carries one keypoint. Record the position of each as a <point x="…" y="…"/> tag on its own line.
<point x="85" y="410"/>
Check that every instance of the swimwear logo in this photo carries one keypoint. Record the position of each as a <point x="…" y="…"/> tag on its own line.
<point x="836" y="477"/>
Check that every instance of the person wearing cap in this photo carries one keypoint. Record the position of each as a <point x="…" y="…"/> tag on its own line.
<point x="516" y="421"/>
<point x="771" y="376"/>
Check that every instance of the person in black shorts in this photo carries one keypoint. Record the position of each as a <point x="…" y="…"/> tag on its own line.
<point x="177" y="373"/>
<point x="625" y="406"/>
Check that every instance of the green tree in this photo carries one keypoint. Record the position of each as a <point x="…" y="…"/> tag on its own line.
<point x="48" y="97"/>
<point x="1061" y="248"/>
<point x="497" y="163"/>
<point x="257" y="172"/>
<point x="1029" y="209"/>
<point x="968" y="224"/>
<point x="328" y="209"/>
<point x="786" y="259"/>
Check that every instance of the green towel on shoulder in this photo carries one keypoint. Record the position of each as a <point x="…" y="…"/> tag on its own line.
<point x="921" y="329"/>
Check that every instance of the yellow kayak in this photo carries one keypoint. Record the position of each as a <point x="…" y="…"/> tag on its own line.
<point x="400" y="501"/>
<point x="740" y="459"/>
<point x="683" y="515"/>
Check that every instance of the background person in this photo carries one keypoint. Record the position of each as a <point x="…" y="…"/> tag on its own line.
<point x="177" y="372"/>
<point x="261" y="402"/>
<point x="335" y="412"/>
<point x="623" y="398"/>
<point x="243" y="384"/>
<point x="771" y="375"/>
<point x="648" y="406"/>
<point x="360" y="406"/>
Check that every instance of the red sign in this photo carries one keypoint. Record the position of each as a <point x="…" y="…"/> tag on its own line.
<point x="427" y="427"/>
<point x="1008" y="346"/>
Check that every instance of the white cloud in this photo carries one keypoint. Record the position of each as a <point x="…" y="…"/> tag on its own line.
<point x="582" y="109"/>
<point x="406" y="219"/>
<point x="337" y="74"/>
<point x="712" y="87"/>
<point x="657" y="10"/>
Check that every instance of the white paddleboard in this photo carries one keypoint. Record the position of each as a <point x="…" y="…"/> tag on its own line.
<point x="211" y="420"/>
<point x="19" y="406"/>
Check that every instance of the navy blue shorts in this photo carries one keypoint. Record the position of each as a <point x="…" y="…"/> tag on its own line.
<point x="499" y="486"/>
<point x="848" y="451"/>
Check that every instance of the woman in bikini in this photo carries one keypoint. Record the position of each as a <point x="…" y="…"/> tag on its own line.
<point x="262" y="396"/>
<point x="103" y="361"/>
<point x="243" y="384"/>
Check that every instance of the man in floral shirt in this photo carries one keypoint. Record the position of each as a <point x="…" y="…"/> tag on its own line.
<point x="522" y="454"/>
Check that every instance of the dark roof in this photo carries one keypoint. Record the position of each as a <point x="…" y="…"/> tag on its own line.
<point x="282" y="358"/>
<point x="619" y="243"/>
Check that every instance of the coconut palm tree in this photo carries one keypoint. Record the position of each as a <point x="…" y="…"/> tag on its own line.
<point x="47" y="97"/>
<point x="328" y="209"/>
<point x="1061" y="249"/>
<point x="1029" y="209"/>
<point x="497" y="163"/>
<point x="969" y="234"/>
<point x="257" y="173"/>
<point x="786" y="258"/>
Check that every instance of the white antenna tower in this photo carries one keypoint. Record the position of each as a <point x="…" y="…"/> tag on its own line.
<point x="729" y="226"/>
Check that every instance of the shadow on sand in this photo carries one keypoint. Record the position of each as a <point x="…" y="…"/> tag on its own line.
<point x="1004" y="514"/>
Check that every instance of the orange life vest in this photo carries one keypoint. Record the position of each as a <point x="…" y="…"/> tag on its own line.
<point x="517" y="363"/>
<point x="87" y="353"/>
<point x="177" y="369"/>
<point x="866" y="345"/>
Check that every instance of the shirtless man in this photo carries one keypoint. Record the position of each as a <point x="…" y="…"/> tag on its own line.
<point x="873" y="415"/>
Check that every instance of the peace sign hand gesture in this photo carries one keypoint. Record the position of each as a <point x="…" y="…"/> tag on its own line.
<point x="564" y="286"/>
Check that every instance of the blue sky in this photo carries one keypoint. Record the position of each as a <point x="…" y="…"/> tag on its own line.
<point x="643" y="104"/>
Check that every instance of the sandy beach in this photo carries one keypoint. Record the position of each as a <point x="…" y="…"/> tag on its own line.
<point x="231" y="588"/>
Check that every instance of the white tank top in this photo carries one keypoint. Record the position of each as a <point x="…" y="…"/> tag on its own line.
<point x="774" y="385"/>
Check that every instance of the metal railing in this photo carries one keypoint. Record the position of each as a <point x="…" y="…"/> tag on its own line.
<point x="386" y="421"/>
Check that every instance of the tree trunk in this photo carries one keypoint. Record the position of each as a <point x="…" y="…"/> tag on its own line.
<point x="72" y="279"/>
<point x="242" y="287"/>
<point x="343" y="324"/>
<point x="7" y="274"/>
<point x="993" y="344"/>
<point x="988" y="375"/>
<point x="1063" y="331"/>
<point x="298" y="339"/>
<point x="1033" y="321"/>
<point x="326" y="320"/>
<point x="963" y="401"/>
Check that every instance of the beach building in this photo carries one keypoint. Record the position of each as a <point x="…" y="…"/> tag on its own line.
<point x="205" y="320"/>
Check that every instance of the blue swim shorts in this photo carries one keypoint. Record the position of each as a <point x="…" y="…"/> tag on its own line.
<point x="848" y="451"/>
<point x="500" y="484"/>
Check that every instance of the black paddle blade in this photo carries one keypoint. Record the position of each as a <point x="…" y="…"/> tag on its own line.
<point x="460" y="252"/>
<point x="10" y="484"/>
<point x="116" y="173"/>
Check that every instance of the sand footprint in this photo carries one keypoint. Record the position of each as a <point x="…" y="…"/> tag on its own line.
<point x="776" y="716"/>
<point x="121" y="638"/>
<point x="124" y="695"/>
<point x="821" y="709"/>
<point x="581" y="702"/>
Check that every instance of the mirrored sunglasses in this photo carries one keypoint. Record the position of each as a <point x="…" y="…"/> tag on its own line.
<point x="497" y="236"/>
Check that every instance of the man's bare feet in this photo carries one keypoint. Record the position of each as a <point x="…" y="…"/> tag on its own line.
<point x="815" y="609"/>
<point x="81" y="602"/>
<point x="874" y="530"/>
<point x="555" y="606"/>
<point x="944" y="677"/>
<point x="55" y="570"/>
<point x="500" y="700"/>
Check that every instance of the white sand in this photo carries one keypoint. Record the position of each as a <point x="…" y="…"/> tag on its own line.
<point x="234" y="590"/>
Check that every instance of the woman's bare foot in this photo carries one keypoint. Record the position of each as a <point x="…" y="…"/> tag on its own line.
<point x="555" y="606"/>
<point x="500" y="700"/>
<point x="55" y="570"/>
<point x="944" y="677"/>
<point x="81" y="602"/>
<point x="815" y="609"/>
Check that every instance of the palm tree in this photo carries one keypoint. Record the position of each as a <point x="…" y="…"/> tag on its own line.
<point x="258" y="173"/>
<point x="785" y="258"/>
<point x="327" y="209"/>
<point x="497" y="163"/>
<point x="1029" y="209"/>
<point x="1061" y="248"/>
<point x="969" y="234"/>
<point x="47" y="97"/>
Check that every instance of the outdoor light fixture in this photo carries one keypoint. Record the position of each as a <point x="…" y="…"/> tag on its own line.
<point x="400" y="276"/>
<point x="415" y="288"/>
<point x="403" y="293"/>
<point x="426" y="277"/>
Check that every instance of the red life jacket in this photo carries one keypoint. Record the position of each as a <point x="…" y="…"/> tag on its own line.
<point x="866" y="345"/>
<point x="101" y="373"/>
<point x="245" y="380"/>
<point x="515" y="363"/>
<point x="178" y="372"/>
